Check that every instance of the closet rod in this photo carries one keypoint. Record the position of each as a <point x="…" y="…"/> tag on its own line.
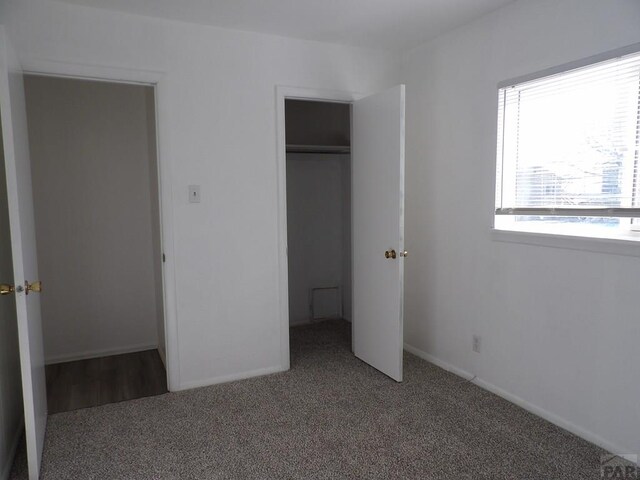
<point x="318" y="149"/>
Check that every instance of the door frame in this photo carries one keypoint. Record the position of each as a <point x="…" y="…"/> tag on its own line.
<point x="293" y="93"/>
<point x="156" y="80"/>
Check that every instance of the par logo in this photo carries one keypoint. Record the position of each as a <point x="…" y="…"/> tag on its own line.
<point x="619" y="468"/>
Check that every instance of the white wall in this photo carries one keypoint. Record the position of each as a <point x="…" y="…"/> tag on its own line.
<point x="318" y="229"/>
<point x="91" y="168"/>
<point x="11" y="413"/>
<point x="560" y="328"/>
<point x="217" y="129"/>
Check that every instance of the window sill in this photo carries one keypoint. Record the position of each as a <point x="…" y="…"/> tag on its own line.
<point x="621" y="246"/>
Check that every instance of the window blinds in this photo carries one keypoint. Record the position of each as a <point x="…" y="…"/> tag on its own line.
<point x="569" y="144"/>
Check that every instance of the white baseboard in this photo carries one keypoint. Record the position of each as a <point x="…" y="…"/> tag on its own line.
<point x="439" y="363"/>
<point x="540" y="412"/>
<point x="6" y="468"/>
<point x="71" y="357"/>
<point x="231" y="378"/>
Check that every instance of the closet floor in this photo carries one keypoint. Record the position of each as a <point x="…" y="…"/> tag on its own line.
<point x="98" y="381"/>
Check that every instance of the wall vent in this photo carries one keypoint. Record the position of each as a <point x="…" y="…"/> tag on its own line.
<point x="326" y="302"/>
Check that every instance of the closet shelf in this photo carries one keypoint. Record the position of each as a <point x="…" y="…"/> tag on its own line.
<point x="318" y="149"/>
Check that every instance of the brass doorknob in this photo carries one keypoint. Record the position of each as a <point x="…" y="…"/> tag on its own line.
<point x="6" y="289"/>
<point x="32" y="287"/>
<point x="390" y="254"/>
<point x="404" y="254"/>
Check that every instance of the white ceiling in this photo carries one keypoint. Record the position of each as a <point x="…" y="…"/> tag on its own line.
<point x="384" y="24"/>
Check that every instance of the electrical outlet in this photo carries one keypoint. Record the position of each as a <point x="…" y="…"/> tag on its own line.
<point x="476" y="343"/>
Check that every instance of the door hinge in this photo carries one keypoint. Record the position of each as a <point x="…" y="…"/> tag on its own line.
<point x="164" y="258"/>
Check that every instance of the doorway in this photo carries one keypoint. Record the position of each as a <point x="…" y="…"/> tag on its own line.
<point x="96" y="197"/>
<point x="318" y="182"/>
<point x="375" y="224"/>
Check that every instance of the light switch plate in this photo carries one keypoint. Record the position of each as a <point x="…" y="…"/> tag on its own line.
<point x="194" y="193"/>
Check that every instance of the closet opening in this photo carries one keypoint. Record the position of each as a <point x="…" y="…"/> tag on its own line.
<point x="96" y="192"/>
<point x="318" y="193"/>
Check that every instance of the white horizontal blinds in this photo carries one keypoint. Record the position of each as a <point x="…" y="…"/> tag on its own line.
<point x="569" y="143"/>
<point x="500" y="148"/>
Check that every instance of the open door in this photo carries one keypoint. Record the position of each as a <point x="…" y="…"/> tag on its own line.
<point x="23" y="245"/>
<point x="378" y="229"/>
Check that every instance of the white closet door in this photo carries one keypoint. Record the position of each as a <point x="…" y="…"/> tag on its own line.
<point x="23" y="244"/>
<point x="378" y="229"/>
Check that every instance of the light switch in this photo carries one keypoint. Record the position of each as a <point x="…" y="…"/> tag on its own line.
<point x="194" y="193"/>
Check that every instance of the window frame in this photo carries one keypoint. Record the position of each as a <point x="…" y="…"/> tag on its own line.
<point x="624" y="243"/>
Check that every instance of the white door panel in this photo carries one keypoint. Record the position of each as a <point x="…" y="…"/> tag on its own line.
<point x="378" y="226"/>
<point x="23" y="244"/>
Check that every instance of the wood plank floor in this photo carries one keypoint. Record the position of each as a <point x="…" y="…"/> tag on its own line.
<point x="98" y="381"/>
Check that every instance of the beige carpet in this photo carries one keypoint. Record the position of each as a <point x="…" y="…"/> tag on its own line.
<point x="330" y="416"/>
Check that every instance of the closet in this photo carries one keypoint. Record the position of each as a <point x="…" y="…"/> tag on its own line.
<point x="318" y="169"/>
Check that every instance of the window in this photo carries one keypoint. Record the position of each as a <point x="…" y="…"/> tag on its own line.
<point x="569" y="152"/>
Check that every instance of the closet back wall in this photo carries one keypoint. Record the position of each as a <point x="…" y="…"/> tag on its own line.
<point x="92" y="166"/>
<point x="318" y="219"/>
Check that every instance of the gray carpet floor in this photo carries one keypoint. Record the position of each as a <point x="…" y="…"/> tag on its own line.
<point x="330" y="416"/>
